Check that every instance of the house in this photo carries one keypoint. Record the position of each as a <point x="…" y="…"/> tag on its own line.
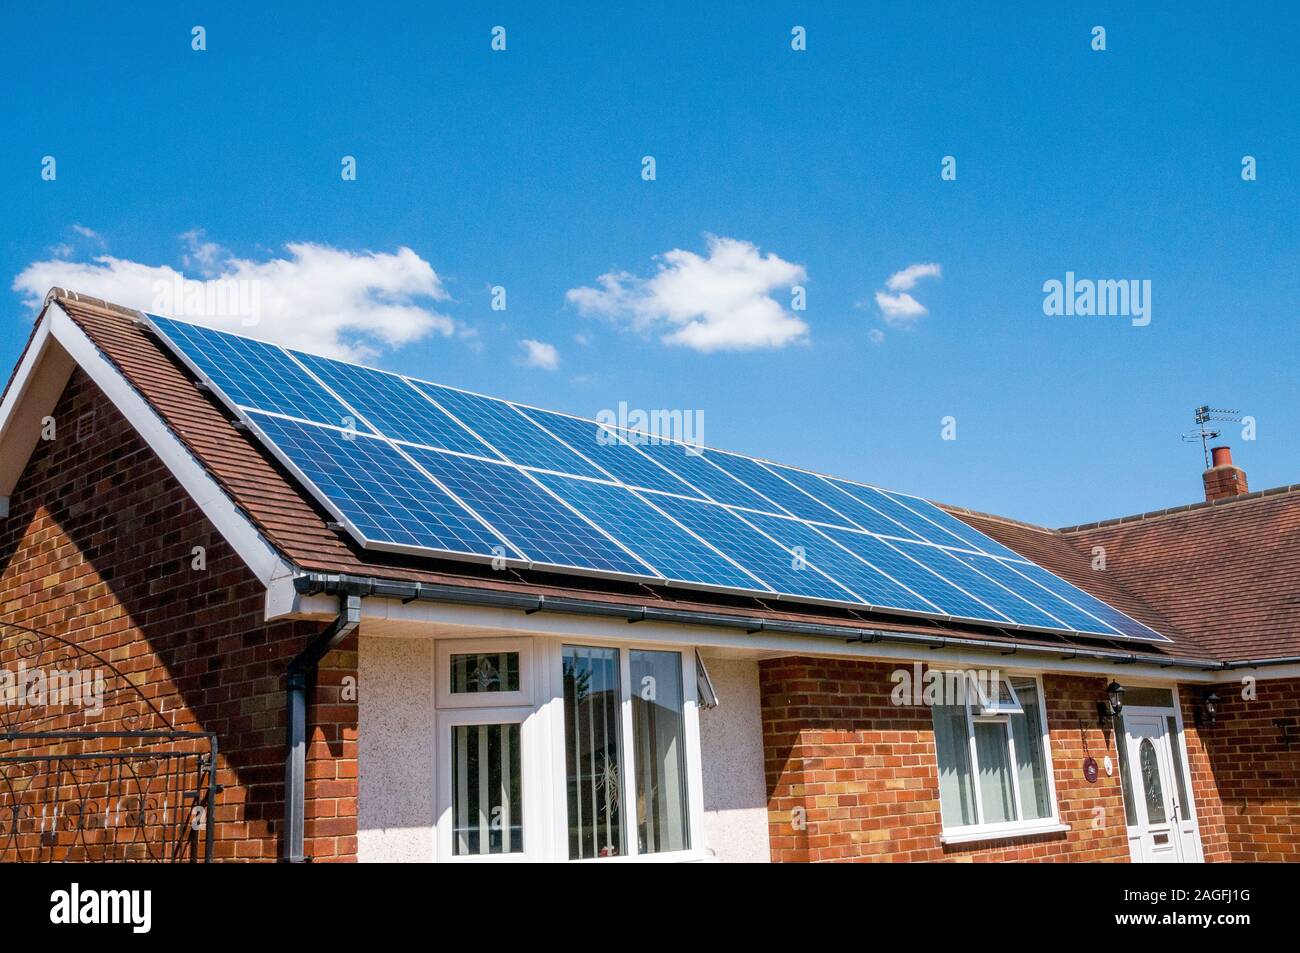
<point x="270" y="688"/>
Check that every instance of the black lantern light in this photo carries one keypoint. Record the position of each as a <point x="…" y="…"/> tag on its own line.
<point x="1113" y="705"/>
<point x="1208" y="713"/>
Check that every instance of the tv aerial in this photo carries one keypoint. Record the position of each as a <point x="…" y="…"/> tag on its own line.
<point x="1206" y="417"/>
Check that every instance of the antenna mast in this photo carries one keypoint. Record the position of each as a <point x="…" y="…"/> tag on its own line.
<point x="1205" y="416"/>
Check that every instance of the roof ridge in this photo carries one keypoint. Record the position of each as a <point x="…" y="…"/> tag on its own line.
<point x="995" y="517"/>
<point x="63" y="294"/>
<point x="1185" y="508"/>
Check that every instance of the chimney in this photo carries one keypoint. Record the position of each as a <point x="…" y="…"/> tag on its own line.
<point x="1224" y="479"/>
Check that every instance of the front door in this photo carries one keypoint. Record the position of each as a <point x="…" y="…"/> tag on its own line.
<point x="1157" y="787"/>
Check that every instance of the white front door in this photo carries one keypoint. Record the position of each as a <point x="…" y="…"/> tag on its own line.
<point x="1165" y="829"/>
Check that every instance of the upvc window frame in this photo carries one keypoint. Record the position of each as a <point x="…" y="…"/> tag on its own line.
<point x="533" y="782"/>
<point x="446" y="648"/>
<point x="976" y="713"/>
<point x="691" y="731"/>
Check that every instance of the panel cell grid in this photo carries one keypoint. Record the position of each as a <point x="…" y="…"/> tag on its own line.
<point x="694" y="467"/>
<point x="983" y="588"/>
<point x="518" y="438"/>
<point x="899" y="513"/>
<point x="670" y="549"/>
<point x="256" y="375"/>
<point x="395" y="408"/>
<point x="607" y="450"/>
<point x="872" y="586"/>
<point x="972" y="537"/>
<point x="1071" y="616"/>
<point x="913" y="575"/>
<point x="789" y="498"/>
<point x="370" y="484"/>
<point x="1089" y="603"/>
<point x="862" y="515"/>
<point x="764" y="558"/>
<point x="541" y="527"/>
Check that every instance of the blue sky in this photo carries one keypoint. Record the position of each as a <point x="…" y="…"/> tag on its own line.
<point x="523" y="169"/>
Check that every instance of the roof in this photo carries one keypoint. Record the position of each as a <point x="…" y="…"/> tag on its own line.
<point x="301" y="530"/>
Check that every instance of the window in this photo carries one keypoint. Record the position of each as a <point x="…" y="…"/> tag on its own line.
<point x="484" y="672"/>
<point x="659" y="746"/>
<point x="610" y="695"/>
<point x="593" y="768"/>
<point x="486" y="786"/>
<point x="994" y="768"/>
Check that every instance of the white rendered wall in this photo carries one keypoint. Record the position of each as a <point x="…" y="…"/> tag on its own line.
<point x="731" y="748"/>
<point x="395" y="802"/>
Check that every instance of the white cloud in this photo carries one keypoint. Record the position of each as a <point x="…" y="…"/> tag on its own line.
<point x="906" y="279"/>
<point x="876" y="336"/>
<point x="715" y="303"/>
<point x="540" y="354"/>
<point x="340" y="303"/>
<point x="85" y="232"/>
<point x="897" y="307"/>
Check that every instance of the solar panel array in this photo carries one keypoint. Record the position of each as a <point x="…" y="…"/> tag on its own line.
<point x="410" y="466"/>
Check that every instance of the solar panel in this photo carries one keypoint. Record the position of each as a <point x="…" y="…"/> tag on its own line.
<point x="668" y="547"/>
<point x="368" y="484"/>
<point x="508" y="431"/>
<point x="254" y="375"/>
<point x="411" y="466"/>
<point x="394" y="407"/>
<point x="604" y="447"/>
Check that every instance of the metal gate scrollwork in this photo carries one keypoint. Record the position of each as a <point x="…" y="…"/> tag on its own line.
<point x="90" y="769"/>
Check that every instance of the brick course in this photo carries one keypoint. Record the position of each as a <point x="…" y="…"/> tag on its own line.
<point x="863" y="771"/>
<point x="97" y="550"/>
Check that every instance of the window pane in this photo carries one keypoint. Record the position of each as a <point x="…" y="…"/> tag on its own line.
<point x="659" y="751"/>
<point x="952" y="749"/>
<point x="994" y="772"/>
<point x="592" y="698"/>
<point x="1031" y="764"/>
<point x="486" y="790"/>
<point x="485" y="672"/>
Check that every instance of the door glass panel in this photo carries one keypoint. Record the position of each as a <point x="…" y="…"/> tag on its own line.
<point x="1121" y="745"/>
<point x="592" y="745"/>
<point x="1151" y="786"/>
<point x="1176" y="752"/>
<point x="1140" y="697"/>
<point x="485" y="672"/>
<point x="994" y="772"/>
<point x="659" y="751"/>
<point x="486" y="790"/>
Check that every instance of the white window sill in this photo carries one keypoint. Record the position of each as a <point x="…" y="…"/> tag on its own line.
<point x="972" y="835"/>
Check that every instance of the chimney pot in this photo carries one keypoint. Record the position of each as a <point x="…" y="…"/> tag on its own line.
<point x="1224" y="479"/>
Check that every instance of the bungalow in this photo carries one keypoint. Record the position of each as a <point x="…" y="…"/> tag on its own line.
<point x="286" y="676"/>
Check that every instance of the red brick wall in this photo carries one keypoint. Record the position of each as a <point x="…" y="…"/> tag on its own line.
<point x="1245" y="778"/>
<point x="97" y="549"/>
<point x="851" y="776"/>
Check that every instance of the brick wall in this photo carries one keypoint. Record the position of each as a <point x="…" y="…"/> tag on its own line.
<point x="1245" y="777"/>
<point x="98" y="550"/>
<point x="853" y="777"/>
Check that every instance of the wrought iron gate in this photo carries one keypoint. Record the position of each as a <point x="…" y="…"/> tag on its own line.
<point x="71" y="790"/>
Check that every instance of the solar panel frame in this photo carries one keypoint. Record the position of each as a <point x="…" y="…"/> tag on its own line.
<point x="956" y="540"/>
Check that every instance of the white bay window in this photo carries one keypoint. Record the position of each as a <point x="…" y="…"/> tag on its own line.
<point x="550" y="750"/>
